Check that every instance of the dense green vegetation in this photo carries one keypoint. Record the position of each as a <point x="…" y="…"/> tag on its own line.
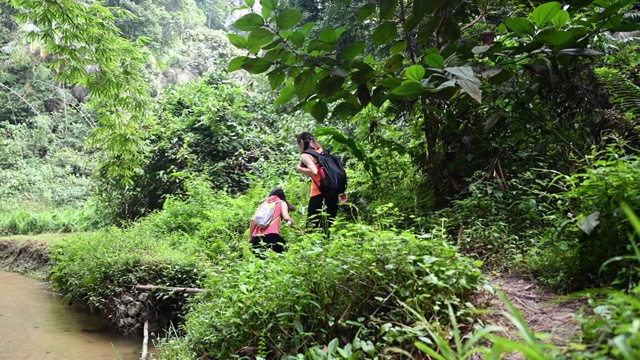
<point x="477" y="137"/>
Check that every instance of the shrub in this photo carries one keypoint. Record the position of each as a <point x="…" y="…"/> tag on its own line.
<point x="499" y="221"/>
<point x="590" y="227"/>
<point x="326" y="288"/>
<point x="193" y="231"/>
<point x="611" y="327"/>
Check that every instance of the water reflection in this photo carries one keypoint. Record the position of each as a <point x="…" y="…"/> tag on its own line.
<point x="36" y="324"/>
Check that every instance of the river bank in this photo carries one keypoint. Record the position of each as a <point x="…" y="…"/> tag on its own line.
<point x="27" y="254"/>
<point x="126" y="312"/>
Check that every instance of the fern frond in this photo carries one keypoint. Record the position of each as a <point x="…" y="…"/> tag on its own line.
<point x="625" y="95"/>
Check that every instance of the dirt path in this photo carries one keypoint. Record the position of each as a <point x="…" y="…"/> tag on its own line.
<point x="541" y="310"/>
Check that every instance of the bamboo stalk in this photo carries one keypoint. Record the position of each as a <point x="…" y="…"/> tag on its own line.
<point x="170" y="288"/>
<point x="145" y="341"/>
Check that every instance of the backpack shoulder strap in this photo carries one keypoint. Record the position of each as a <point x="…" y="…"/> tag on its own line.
<point x="277" y="202"/>
<point x="312" y="153"/>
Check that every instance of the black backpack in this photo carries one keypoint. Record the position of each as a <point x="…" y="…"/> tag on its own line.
<point x="333" y="179"/>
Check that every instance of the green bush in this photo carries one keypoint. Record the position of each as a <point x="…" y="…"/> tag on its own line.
<point x="325" y="288"/>
<point x="611" y="326"/>
<point x="590" y="227"/>
<point x="17" y="221"/>
<point x="214" y="128"/>
<point x="499" y="221"/>
<point x="202" y="227"/>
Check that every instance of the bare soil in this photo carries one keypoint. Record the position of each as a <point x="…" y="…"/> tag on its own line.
<point x="543" y="311"/>
<point x="25" y="256"/>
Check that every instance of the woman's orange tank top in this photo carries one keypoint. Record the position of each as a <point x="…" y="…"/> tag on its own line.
<point x="315" y="180"/>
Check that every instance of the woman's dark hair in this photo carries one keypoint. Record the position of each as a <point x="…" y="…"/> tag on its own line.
<point x="280" y="193"/>
<point x="306" y="138"/>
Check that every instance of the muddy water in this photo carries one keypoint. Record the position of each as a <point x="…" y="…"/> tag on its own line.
<point x="36" y="324"/>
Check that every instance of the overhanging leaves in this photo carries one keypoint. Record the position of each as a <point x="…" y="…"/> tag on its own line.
<point x="304" y="84"/>
<point x="415" y="72"/>
<point x="352" y="50"/>
<point x="248" y="22"/>
<point x="236" y="63"/>
<point x="385" y="33"/>
<point x="520" y="26"/>
<point x="288" y="18"/>
<point x="256" y="65"/>
<point x="259" y="37"/>
<point x="408" y="90"/>
<point x="319" y="111"/>
<point x="554" y="37"/>
<point x="237" y="40"/>
<point x="545" y="12"/>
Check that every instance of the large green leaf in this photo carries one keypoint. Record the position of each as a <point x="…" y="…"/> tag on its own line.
<point x="329" y="85"/>
<point x="305" y="83"/>
<point x="415" y="72"/>
<point x="449" y="31"/>
<point x="363" y="75"/>
<point x="344" y="110"/>
<point x="398" y="47"/>
<point x="328" y="35"/>
<point x="250" y="3"/>
<point x="288" y="18"/>
<point x="561" y="19"/>
<point x="394" y="62"/>
<point x="276" y="78"/>
<point x="554" y="37"/>
<point x="434" y="60"/>
<point x="249" y="22"/>
<point x="268" y="6"/>
<point x="297" y="38"/>
<point x="236" y="63"/>
<point x="545" y="12"/>
<point x="520" y="26"/>
<point x="366" y="11"/>
<point x="237" y="40"/>
<point x="385" y="33"/>
<point x="352" y="50"/>
<point x="256" y="65"/>
<point x="387" y="8"/>
<point x="319" y="111"/>
<point x="286" y="95"/>
<point x="306" y="28"/>
<point x="409" y="89"/>
<point x="259" y="37"/>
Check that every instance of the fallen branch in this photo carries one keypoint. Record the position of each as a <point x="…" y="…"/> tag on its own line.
<point x="169" y="288"/>
<point x="145" y="341"/>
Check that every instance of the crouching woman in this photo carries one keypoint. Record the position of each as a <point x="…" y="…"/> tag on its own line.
<point x="268" y="237"/>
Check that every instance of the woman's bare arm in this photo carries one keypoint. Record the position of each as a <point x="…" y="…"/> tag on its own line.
<point x="284" y="209"/>
<point x="307" y="166"/>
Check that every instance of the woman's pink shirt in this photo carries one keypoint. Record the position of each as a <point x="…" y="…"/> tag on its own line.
<point x="274" y="227"/>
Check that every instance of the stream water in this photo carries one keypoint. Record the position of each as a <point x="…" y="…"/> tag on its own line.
<point x="36" y="323"/>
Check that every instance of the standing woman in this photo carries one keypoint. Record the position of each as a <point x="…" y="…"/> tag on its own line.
<point x="309" y="166"/>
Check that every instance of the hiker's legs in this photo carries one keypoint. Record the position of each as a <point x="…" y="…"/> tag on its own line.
<point x="319" y="204"/>
<point x="314" y="217"/>
<point x="257" y="246"/>
<point x="331" y="202"/>
<point x="262" y="243"/>
<point x="274" y="242"/>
